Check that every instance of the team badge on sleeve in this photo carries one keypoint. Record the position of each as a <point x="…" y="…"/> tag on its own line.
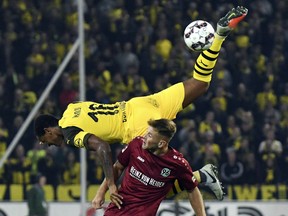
<point x="78" y="143"/>
<point x="165" y="172"/>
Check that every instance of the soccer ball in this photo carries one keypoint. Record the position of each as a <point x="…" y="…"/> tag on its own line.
<point x="199" y="35"/>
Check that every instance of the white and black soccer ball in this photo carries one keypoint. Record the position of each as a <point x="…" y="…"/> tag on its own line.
<point x="199" y="35"/>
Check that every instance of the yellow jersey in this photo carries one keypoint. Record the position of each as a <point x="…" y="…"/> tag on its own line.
<point x="121" y="121"/>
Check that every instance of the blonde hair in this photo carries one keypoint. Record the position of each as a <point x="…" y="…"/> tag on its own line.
<point x="164" y="127"/>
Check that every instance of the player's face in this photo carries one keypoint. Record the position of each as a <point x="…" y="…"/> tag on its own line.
<point x="51" y="137"/>
<point x="152" y="139"/>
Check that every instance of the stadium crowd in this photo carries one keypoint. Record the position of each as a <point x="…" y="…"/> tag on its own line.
<point x="134" y="48"/>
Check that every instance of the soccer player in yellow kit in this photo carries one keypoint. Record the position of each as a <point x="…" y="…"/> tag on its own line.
<point x="95" y="126"/>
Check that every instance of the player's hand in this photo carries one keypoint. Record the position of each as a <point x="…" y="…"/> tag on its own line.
<point x="115" y="197"/>
<point x="99" y="198"/>
<point x="98" y="201"/>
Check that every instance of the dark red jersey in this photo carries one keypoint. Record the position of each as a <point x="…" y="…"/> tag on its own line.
<point x="148" y="178"/>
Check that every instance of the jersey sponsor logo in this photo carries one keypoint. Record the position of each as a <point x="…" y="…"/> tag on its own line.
<point x="141" y="159"/>
<point x="146" y="180"/>
<point x="165" y="172"/>
<point x="123" y="109"/>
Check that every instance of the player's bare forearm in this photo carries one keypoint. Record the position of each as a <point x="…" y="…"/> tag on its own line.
<point x="103" y="152"/>
<point x="196" y="201"/>
<point x="193" y="89"/>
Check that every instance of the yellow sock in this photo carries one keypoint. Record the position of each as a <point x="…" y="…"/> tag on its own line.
<point x="206" y="61"/>
<point x="176" y="187"/>
<point x="174" y="190"/>
<point x="197" y="176"/>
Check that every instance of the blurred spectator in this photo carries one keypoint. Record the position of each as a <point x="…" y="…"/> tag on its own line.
<point x="163" y="44"/>
<point x="119" y="91"/>
<point x="220" y="98"/>
<point x="71" y="172"/>
<point x="270" y="145"/>
<point x="210" y="124"/>
<point x="230" y="125"/>
<point x="190" y="144"/>
<point x="267" y="95"/>
<point x="270" y="151"/>
<point x="219" y="105"/>
<point x="151" y="65"/>
<point x="95" y="174"/>
<point x="247" y="125"/>
<point x="136" y="84"/>
<point x="143" y="37"/>
<point x="49" y="167"/>
<point x="210" y="151"/>
<point x="20" y="105"/>
<point x="270" y="114"/>
<point x="34" y="155"/>
<point x="15" y="126"/>
<point x="19" y="166"/>
<point x="68" y="93"/>
<point x="126" y="59"/>
<point x="244" y="98"/>
<point x="243" y="148"/>
<point x="49" y="106"/>
<point x="34" y="62"/>
<point x="223" y="76"/>
<point x="232" y="170"/>
<point x="252" y="172"/>
<point x="234" y="139"/>
<point x="36" y="199"/>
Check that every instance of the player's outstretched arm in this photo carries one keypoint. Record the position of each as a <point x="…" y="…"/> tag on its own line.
<point x="103" y="152"/>
<point x="196" y="202"/>
<point x="206" y="61"/>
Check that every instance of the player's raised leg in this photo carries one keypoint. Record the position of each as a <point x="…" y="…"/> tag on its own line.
<point x="206" y="61"/>
<point x="202" y="76"/>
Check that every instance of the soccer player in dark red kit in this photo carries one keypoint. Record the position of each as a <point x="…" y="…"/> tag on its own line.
<point x="151" y="167"/>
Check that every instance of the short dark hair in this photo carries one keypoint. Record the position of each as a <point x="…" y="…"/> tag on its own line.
<point x="165" y="127"/>
<point x="44" y="121"/>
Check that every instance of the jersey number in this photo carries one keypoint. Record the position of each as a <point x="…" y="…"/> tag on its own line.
<point x="102" y="110"/>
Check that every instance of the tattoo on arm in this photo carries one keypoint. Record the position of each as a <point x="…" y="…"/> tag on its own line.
<point x="103" y="152"/>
